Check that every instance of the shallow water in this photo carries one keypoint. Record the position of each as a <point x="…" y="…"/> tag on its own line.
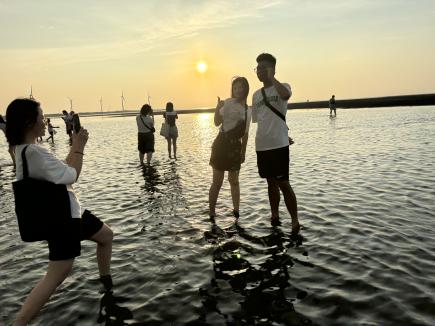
<point x="365" y="183"/>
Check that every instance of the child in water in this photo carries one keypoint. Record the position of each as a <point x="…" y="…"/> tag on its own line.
<point x="51" y="130"/>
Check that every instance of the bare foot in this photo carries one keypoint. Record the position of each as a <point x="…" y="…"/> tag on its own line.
<point x="296" y="227"/>
<point x="274" y="220"/>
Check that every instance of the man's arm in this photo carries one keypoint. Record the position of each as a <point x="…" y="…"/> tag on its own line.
<point x="282" y="91"/>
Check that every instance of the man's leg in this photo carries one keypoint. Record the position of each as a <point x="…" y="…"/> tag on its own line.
<point x="291" y="203"/>
<point x="274" y="197"/>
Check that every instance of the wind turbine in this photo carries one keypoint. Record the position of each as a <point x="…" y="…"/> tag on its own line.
<point x="70" y="104"/>
<point x="101" y="105"/>
<point x="31" y="93"/>
<point x="149" y="103"/>
<point x="122" y="100"/>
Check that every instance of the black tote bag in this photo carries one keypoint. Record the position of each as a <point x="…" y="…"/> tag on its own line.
<point x="43" y="208"/>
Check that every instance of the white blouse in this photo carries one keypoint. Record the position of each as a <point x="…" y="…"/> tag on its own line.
<point x="43" y="165"/>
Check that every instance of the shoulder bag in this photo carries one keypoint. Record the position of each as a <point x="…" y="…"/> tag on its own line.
<point x="43" y="208"/>
<point x="164" y="130"/>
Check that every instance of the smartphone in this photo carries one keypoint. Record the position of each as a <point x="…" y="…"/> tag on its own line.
<point x="76" y="123"/>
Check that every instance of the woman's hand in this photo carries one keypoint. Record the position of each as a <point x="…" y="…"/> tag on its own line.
<point x="80" y="139"/>
<point x="220" y="103"/>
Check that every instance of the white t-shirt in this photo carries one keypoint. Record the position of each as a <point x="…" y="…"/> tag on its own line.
<point x="148" y="121"/>
<point x="272" y="131"/>
<point x="43" y="165"/>
<point x="232" y="113"/>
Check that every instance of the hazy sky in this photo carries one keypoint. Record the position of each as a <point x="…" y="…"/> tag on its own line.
<point x="86" y="50"/>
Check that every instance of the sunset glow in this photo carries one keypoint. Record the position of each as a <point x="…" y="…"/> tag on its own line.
<point x="201" y="67"/>
<point x="190" y="50"/>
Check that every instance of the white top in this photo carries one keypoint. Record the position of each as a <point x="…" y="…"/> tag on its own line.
<point x="148" y="121"/>
<point x="232" y="113"/>
<point x="272" y="131"/>
<point x="43" y="165"/>
<point x="67" y="118"/>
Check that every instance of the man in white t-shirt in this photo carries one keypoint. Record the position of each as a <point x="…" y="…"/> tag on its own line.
<point x="269" y="107"/>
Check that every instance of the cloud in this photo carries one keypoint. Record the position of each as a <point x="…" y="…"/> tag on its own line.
<point x="137" y="28"/>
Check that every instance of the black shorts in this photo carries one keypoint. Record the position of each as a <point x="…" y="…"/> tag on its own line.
<point x="68" y="245"/>
<point x="274" y="163"/>
<point x="145" y="142"/>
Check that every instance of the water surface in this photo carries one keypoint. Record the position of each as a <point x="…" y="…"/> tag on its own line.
<point x="365" y="183"/>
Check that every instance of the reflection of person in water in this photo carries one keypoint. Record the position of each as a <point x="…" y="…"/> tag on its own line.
<point x="151" y="177"/>
<point x="263" y="285"/>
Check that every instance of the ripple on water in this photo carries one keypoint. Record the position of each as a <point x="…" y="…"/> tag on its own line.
<point x="365" y="187"/>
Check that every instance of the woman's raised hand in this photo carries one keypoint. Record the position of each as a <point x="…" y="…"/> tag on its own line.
<point x="81" y="138"/>
<point x="220" y="103"/>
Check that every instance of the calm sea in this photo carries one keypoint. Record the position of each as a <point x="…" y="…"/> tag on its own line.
<point x="365" y="183"/>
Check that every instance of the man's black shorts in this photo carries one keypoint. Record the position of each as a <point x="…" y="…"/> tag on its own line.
<point x="274" y="163"/>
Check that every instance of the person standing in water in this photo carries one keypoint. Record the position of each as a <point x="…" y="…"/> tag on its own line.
<point x="269" y="107"/>
<point x="51" y="131"/>
<point x="145" y="136"/>
<point x="67" y="118"/>
<point x="170" y="116"/>
<point x="332" y="106"/>
<point x="229" y="147"/>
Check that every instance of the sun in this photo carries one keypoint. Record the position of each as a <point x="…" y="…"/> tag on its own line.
<point x="201" y="66"/>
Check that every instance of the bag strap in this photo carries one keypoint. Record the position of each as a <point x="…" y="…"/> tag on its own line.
<point x="246" y="118"/>
<point x="24" y="160"/>
<point x="270" y="106"/>
<point x="145" y="123"/>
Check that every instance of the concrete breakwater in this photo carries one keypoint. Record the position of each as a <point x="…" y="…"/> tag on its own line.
<point x="372" y="102"/>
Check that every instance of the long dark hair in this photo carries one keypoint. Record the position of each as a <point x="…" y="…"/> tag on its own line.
<point x="169" y="107"/>
<point x="21" y="115"/>
<point x="245" y="84"/>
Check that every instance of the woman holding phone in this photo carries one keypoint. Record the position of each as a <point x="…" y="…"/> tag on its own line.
<point x="25" y="124"/>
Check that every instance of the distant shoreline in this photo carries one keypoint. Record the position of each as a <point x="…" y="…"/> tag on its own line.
<point x="373" y="102"/>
